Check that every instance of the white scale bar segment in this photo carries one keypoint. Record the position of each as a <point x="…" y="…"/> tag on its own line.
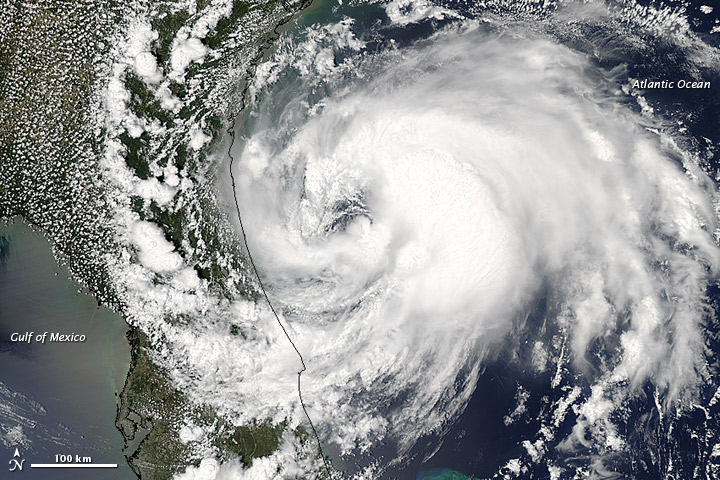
<point x="73" y="465"/>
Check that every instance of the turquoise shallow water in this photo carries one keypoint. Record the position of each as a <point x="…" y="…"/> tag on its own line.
<point x="442" y="474"/>
<point x="56" y="398"/>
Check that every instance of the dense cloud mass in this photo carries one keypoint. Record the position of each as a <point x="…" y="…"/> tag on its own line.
<point x="405" y="223"/>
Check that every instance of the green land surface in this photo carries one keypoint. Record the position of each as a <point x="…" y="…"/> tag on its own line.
<point x="55" y="58"/>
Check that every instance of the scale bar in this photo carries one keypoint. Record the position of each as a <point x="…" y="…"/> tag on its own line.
<point x="73" y="465"/>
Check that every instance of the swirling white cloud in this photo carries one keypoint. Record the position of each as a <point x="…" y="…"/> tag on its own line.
<point x="404" y="225"/>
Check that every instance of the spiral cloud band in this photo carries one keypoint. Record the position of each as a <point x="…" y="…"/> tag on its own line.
<point x="406" y="222"/>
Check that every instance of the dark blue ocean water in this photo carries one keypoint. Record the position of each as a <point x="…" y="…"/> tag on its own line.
<point x="60" y="397"/>
<point x="478" y="442"/>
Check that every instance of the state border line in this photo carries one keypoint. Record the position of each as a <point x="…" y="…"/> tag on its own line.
<point x="231" y="131"/>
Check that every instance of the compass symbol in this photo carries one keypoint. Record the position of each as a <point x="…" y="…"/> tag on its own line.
<point x="16" y="463"/>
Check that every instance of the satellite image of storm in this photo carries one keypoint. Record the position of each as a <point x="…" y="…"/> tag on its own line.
<point x="359" y="239"/>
